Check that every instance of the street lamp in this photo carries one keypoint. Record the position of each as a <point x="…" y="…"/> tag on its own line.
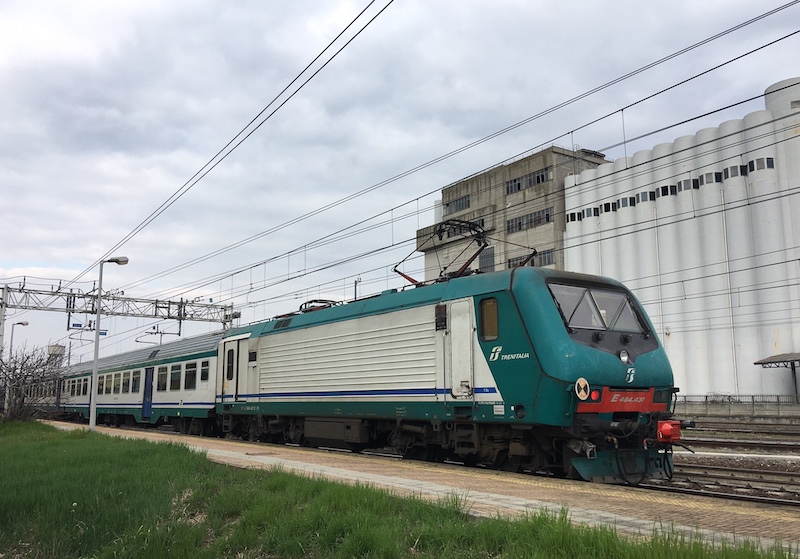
<point x="10" y="385"/>
<point x="121" y="260"/>
<point x="11" y="340"/>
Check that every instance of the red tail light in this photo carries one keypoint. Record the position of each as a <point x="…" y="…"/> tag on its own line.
<point x="669" y="431"/>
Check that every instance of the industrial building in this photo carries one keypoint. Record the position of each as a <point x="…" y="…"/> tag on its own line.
<point x="519" y="204"/>
<point x="704" y="230"/>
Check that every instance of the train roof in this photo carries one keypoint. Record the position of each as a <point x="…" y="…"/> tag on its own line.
<point x="393" y="300"/>
<point x="204" y="344"/>
<point x="388" y="301"/>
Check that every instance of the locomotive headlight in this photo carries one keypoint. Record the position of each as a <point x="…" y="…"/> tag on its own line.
<point x="624" y="357"/>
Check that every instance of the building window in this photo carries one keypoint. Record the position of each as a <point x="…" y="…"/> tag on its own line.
<point x="456" y="205"/>
<point x="760" y="164"/>
<point x="546" y="258"/>
<point x="770" y="163"/>
<point x="516" y="261"/>
<point x="529" y="221"/>
<point x="531" y="179"/>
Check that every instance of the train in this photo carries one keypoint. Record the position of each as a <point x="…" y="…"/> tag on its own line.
<point x="525" y="369"/>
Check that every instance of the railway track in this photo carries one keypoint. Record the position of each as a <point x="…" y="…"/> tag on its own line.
<point x="767" y="446"/>
<point x="743" y="477"/>
<point x="744" y="484"/>
<point x="722" y="482"/>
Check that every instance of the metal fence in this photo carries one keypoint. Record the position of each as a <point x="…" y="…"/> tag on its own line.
<point x="739" y="405"/>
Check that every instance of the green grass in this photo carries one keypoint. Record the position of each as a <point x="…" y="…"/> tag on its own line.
<point x="80" y="494"/>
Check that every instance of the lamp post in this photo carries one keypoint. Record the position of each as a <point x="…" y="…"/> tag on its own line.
<point x="11" y="340"/>
<point x="121" y="260"/>
<point x="10" y="385"/>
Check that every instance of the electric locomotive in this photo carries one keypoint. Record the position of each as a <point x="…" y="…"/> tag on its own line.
<point x="523" y="369"/>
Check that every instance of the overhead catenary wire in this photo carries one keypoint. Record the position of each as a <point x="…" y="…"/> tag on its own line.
<point x="734" y="28"/>
<point x="329" y="239"/>
<point x="487" y="138"/>
<point x="244" y="133"/>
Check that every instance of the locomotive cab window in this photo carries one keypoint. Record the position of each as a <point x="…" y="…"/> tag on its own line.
<point x="595" y="308"/>
<point x="489" y="320"/>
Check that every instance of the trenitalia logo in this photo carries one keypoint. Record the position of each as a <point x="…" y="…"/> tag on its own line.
<point x="495" y="355"/>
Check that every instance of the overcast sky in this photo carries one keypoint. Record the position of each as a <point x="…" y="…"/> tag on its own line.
<point x="108" y="108"/>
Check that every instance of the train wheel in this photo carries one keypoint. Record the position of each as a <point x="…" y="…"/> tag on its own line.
<point x="511" y="464"/>
<point x="416" y="452"/>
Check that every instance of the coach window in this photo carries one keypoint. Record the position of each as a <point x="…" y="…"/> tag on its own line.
<point x="117" y="382"/>
<point x="190" y="381"/>
<point x="204" y="371"/>
<point x="175" y="378"/>
<point x="490" y="325"/>
<point x="229" y="364"/>
<point x="136" y="380"/>
<point x="126" y="382"/>
<point x="161" y="384"/>
<point x="85" y="391"/>
<point x="109" y="378"/>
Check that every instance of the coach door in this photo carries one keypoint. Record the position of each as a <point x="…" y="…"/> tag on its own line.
<point x="147" y="401"/>
<point x="460" y="341"/>
<point x="234" y="372"/>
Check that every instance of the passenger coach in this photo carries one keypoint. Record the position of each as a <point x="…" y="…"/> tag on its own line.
<point x="173" y="382"/>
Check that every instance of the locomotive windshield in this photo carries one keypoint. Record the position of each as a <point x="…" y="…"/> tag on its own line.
<point x="593" y="308"/>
